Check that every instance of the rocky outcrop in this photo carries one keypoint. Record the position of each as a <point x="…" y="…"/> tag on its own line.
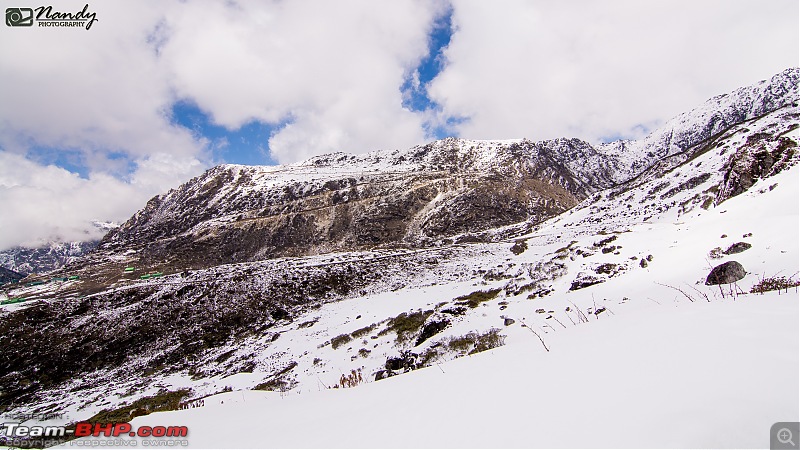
<point x="7" y="276"/>
<point x="762" y="156"/>
<point x="418" y="198"/>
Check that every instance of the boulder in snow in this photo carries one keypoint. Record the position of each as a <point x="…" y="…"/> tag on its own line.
<point x="726" y="273"/>
<point x="738" y="247"/>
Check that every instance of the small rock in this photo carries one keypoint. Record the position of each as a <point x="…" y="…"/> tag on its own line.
<point x="738" y="247"/>
<point x="508" y="321"/>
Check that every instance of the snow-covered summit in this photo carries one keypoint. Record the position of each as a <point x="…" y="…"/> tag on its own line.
<point x="714" y="116"/>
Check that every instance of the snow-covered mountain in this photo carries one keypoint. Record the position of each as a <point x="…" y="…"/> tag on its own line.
<point x="434" y="194"/>
<point x="580" y="274"/>
<point x="51" y="256"/>
<point x="44" y="259"/>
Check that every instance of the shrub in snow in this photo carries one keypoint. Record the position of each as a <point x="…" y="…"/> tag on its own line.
<point x="774" y="284"/>
<point x="519" y="247"/>
<point x="585" y="280"/>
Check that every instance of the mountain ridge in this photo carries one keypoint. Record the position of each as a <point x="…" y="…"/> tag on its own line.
<point x="432" y="194"/>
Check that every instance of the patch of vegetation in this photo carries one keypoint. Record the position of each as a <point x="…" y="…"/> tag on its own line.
<point x="605" y="241"/>
<point x="774" y="284"/>
<point x="524" y="288"/>
<point x="352" y="379"/>
<point x="716" y="253"/>
<point x="276" y="384"/>
<point x="488" y="340"/>
<point x="279" y="381"/>
<point x="456" y="311"/>
<point x="474" y="299"/>
<point x="607" y="268"/>
<point x="566" y="249"/>
<point x="405" y="325"/>
<point x="363" y="352"/>
<point x="462" y="344"/>
<point x="363" y="331"/>
<point x="163" y="401"/>
<point x="340" y="340"/>
<point x="472" y="342"/>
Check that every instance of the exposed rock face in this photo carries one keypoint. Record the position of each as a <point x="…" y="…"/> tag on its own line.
<point x="7" y="276"/>
<point x="726" y="273"/>
<point x="418" y="197"/>
<point x="762" y="156"/>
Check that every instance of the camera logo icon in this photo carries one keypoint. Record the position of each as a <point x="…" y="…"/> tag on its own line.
<point x="19" y="17"/>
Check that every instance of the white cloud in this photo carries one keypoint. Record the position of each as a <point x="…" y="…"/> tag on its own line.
<point x="44" y="203"/>
<point x="589" y="69"/>
<point x="98" y="90"/>
<point x="333" y="69"/>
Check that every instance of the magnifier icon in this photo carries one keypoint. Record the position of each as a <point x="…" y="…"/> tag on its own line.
<point x="785" y="436"/>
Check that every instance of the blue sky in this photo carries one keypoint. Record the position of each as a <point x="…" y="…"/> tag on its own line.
<point x="245" y="145"/>
<point x="249" y="144"/>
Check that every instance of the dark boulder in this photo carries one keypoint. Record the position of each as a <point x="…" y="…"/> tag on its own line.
<point x="280" y="314"/>
<point x="726" y="273"/>
<point x="431" y="328"/>
<point x="405" y="362"/>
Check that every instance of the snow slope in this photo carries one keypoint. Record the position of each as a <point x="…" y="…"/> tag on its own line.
<point x="655" y="369"/>
<point x="696" y="375"/>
